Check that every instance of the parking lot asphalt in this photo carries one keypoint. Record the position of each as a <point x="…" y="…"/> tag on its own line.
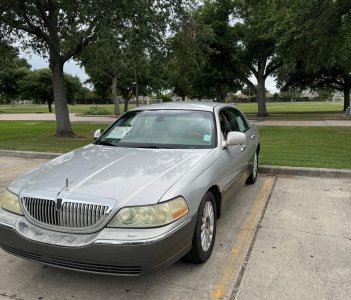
<point x="282" y="238"/>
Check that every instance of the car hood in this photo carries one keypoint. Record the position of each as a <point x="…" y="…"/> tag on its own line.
<point x="128" y="175"/>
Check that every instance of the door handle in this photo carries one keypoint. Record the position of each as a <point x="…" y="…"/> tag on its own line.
<point x="243" y="147"/>
<point x="253" y="136"/>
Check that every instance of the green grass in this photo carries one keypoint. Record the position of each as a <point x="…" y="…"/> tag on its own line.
<point x="301" y="117"/>
<point x="78" y="108"/>
<point x="272" y="107"/>
<point x="294" y="107"/>
<point x="39" y="136"/>
<point x="324" y="147"/>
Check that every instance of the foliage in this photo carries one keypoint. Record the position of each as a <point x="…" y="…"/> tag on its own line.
<point x="37" y="86"/>
<point x="315" y="43"/>
<point x="7" y="55"/>
<point x="96" y="110"/>
<point x="10" y="76"/>
<point x="257" y="42"/>
<point x="129" y="48"/>
<point x="59" y="30"/>
<point x="201" y="54"/>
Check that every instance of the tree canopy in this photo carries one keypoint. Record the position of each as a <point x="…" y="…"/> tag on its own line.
<point x="196" y="49"/>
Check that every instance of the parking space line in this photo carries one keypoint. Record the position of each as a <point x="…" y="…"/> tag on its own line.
<point x="243" y="238"/>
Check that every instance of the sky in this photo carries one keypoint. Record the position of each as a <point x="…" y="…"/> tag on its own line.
<point x="71" y="67"/>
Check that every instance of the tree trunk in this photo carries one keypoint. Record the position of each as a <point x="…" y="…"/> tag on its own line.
<point x="114" y="96"/>
<point x="49" y="106"/>
<point x="261" y="95"/>
<point x="125" y="94"/>
<point x="183" y="97"/>
<point x="347" y="87"/>
<point x="126" y="102"/>
<point x="63" y="124"/>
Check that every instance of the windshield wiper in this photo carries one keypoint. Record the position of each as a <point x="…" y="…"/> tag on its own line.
<point x="151" y="147"/>
<point x="105" y="143"/>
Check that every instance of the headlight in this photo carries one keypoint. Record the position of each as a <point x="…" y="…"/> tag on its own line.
<point x="10" y="202"/>
<point x="150" y="216"/>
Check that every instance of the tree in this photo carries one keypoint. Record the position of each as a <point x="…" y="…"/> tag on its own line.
<point x="37" y="85"/>
<point x="257" y="39"/>
<point x="7" y="55"/>
<point x="201" y="62"/>
<point x="57" y="30"/>
<point x="106" y="65"/>
<point x="127" y="45"/>
<point x="10" y="74"/>
<point x="315" y="42"/>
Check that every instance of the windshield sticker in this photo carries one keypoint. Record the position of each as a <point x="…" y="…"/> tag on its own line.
<point x="207" y="138"/>
<point x="119" y="132"/>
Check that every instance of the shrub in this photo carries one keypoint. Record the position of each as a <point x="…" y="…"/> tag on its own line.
<point x="96" y="110"/>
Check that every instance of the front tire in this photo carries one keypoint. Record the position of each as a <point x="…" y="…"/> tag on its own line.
<point x="205" y="231"/>
<point x="253" y="175"/>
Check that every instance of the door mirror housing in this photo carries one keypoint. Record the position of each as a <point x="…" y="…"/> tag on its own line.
<point x="97" y="133"/>
<point x="235" y="138"/>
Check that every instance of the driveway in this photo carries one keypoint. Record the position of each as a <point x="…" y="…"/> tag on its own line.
<point x="282" y="238"/>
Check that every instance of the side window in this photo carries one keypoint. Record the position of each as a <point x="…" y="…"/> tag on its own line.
<point x="236" y="120"/>
<point x="225" y="128"/>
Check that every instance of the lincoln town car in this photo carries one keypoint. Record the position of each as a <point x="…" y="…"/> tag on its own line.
<point x="145" y="193"/>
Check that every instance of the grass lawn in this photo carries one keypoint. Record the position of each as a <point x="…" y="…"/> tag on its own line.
<point x="324" y="147"/>
<point x="39" y="136"/>
<point x="78" y="108"/>
<point x="294" y="107"/>
<point x="272" y="107"/>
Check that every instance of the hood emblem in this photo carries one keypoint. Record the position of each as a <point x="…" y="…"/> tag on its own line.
<point x="58" y="204"/>
<point x="66" y="188"/>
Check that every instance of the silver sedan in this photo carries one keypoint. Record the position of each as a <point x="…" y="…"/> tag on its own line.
<point x="147" y="192"/>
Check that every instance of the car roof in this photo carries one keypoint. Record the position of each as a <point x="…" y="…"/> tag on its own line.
<point x="186" y="105"/>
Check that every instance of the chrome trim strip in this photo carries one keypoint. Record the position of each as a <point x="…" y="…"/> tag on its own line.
<point x="143" y="242"/>
<point x="73" y="216"/>
<point x="6" y="225"/>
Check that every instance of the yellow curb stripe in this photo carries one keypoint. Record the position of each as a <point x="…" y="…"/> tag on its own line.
<point x="242" y="239"/>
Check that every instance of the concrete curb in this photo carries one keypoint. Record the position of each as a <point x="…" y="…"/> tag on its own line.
<point x="267" y="170"/>
<point x="29" y="154"/>
<point x="301" y="171"/>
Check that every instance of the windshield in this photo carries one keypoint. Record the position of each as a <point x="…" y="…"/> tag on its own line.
<point x="161" y="129"/>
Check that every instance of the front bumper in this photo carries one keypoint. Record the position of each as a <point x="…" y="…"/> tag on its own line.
<point x="109" y="251"/>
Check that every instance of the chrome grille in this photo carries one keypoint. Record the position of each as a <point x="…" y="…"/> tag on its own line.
<point x="71" y="214"/>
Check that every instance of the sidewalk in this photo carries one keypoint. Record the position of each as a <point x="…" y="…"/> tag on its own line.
<point x="303" y="246"/>
<point x="109" y="119"/>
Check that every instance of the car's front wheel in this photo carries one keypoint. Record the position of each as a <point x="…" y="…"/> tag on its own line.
<point x="253" y="175"/>
<point x="205" y="231"/>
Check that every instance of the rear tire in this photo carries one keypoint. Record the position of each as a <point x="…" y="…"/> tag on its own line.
<point x="253" y="175"/>
<point x="205" y="231"/>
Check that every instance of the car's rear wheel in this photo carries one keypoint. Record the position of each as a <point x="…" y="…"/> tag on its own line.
<point x="253" y="175"/>
<point x="205" y="231"/>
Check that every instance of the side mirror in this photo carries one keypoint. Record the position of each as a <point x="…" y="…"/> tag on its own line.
<point x="236" y="138"/>
<point x="97" y="133"/>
